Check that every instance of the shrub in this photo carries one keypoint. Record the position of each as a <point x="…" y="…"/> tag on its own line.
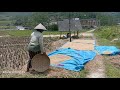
<point x="53" y="27"/>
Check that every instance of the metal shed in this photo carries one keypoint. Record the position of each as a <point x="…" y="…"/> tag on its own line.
<point x="75" y="25"/>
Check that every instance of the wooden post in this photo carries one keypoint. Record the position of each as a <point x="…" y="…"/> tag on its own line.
<point x="49" y="35"/>
<point x="77" y="33"/>
<point x="60" y="34"/>
<point x="74" y="33"/>
<point x="69" y="26"/>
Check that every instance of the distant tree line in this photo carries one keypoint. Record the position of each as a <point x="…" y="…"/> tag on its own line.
<point x="106" y="18"/>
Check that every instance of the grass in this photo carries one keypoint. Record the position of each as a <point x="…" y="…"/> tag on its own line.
<point x="102" y="41"/>
<point x="82" y="74"/>
<point x="5" y="22"/>
<point x="7" y="27"/>
<point x="108" y="32"/>
<point x="22" y="33"/>
<point x="110" y="70"/>
<point x="18" y="32"/>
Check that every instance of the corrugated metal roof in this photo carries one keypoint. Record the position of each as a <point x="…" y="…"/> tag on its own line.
<point x="75" y="25"/>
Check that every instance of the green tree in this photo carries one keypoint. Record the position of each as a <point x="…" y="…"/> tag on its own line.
<point x="53" y="27"/>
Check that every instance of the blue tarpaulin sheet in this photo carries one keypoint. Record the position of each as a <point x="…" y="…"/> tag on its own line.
<point x="78" y="58"/>
<point x="101" y="49"/>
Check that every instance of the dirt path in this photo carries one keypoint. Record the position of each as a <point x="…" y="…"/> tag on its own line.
<point x="53" y="35"/>
<point x="96" y="67"/>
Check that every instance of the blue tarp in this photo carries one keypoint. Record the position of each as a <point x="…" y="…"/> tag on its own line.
<point x="101" y="49"/>
<point x="78" y="58"/>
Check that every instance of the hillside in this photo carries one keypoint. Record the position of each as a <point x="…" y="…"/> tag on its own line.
<point x="109" y="35"/>
<point x="15" y="13"/>
<point x="8" y="15"/>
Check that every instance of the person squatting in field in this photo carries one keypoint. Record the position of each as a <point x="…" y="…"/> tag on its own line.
<point x="36" y="44"/>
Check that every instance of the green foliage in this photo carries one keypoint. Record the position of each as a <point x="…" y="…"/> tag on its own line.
<point x="19" y="32"/>
<point x="102" y="42"/>
<point x="108" y="32"/>
<point x="21" y="20"/>
<point x="3" y="23"/>
<point x="7" y="27"/>
<point x="31" y="21"/>
<point x="111" y="71"/>
<point x="106" y="18"/>
<point x="104" y="36"/>
<point x="53" y="27"/>
<point x="28" y="32"/>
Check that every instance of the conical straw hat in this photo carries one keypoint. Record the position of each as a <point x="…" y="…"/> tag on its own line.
<point x="40" y="62"/>
<point x="40" y="26"/>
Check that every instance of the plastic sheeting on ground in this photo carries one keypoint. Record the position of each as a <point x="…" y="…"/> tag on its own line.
<point x="79" y="58"/>
<point x="101" y="49"/>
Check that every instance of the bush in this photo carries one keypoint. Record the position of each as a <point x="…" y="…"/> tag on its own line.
<point x="108" y="32"/>
<point x="53" y="27"/>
